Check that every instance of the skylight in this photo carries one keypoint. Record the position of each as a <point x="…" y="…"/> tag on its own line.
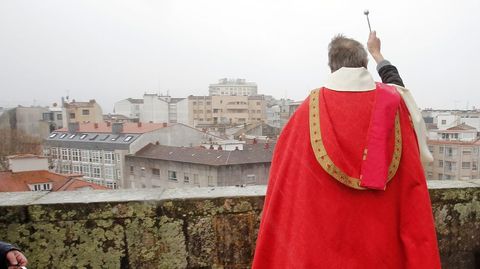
<point x="63" y="136"/>
<point x="128" y="138"/>
<point x="53" y="135"/>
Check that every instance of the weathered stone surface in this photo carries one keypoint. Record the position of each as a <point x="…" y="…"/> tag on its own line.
<point x="195" y="228"/>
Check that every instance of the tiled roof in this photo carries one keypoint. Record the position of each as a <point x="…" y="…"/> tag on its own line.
<point x="128" y="127"/>
<point x="252" y="154"/>
<point x="453" y="142"/>
<point x="13" y="182"/>
<point x="461" y="127"/>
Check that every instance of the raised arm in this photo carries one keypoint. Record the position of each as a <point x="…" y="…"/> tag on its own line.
<point x="388" y="73"/>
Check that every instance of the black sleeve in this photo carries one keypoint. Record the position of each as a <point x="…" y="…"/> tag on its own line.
<point x="4" y="249"/>
<point x="389" y="75"/>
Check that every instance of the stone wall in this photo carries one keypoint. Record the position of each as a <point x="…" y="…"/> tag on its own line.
<point x="191" y="228"/>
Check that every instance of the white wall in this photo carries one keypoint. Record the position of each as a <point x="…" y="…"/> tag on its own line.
<point x="154" y="109"/>
<point x="182" y="111"/>
<point x="28" y="164"/>
<point x="450" y="121"/>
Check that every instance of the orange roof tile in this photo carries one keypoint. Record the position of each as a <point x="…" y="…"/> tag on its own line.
<point x="13" y="182"/>
<point x="128" y="127"/>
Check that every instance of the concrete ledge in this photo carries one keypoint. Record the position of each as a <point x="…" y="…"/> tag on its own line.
<point x="188" y="228"/>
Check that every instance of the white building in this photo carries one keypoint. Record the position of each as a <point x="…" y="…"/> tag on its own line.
<point x="129" y="107"/>
<point x="233" y="87"/>
<point x="163" y="108"/>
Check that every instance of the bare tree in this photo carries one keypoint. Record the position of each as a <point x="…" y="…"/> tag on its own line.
<point x="17" y="142"/>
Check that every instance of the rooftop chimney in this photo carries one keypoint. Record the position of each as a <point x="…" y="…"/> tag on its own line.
<point x="73" y="127"/>
<point x="164" y="124"/>
<point x="117" y="127"/>
<point x="109" y="123"/>
<point x="139" y="124"/>
<point x="95" y="125"/>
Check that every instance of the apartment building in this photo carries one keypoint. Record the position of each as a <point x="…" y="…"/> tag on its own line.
<point x="81" y="112"/>
<point x="157" y="166"/>
<point x="226" y="110"/>
<point x="237" y="87"/>
<point x="97" y="150"/>
<point x="456" y="153"/>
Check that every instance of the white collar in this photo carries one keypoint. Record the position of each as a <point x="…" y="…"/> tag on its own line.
<point x="350" y="79"/>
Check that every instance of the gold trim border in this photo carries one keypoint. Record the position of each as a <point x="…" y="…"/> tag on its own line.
<point x="322" y="156"/>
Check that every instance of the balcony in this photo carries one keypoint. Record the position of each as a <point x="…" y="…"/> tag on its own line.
<point x="194" y="228"/>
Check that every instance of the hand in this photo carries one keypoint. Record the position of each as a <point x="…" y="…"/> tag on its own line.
<point x="16" y="259"/>
<point x="374" y="47"/>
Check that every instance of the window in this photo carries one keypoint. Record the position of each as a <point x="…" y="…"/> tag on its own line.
<point x="172" y="175"/>
<point x="186" y="178"/>
<point x="85" y="112"/>
<point x="72" y="115"/>
<point x="105" y="137"/>
<point x="440" y="176"/>
<point x="115" y="138"/>
<point x="77" y="169"/>
<point x="444" y="122"/>
<point x="440" y="163"/>
<point x="52" y="135"/>
<point x="474" y="166"/>
<point x="66" y="169"/>
<point x="251" y="180"/>
<point x="83" y="136"/>
<point x="467" y="151"/>
<point x="108" y="172"/>
<point x="86" y="170"/>
<point x="119" y="174"/>
<point x="85" y="155"/>
<point x="156" y="171"/>
<point x="132" y="169"/>
<point x="465" y="165"/>
<point x="211" y="182"/>
<point x="42" y="187"/>
<point x="63" y="136"/>
<point x="93" y="137"/>
<point x="128" y="138"/>
<point x="65" y="154"/>
<point x="112" y="185"/>
<point x="109" y="157"/>
<point x="95" y="156"/>
<point x="59" y="117"/>
<point x="75" y="155"/>
<point x="54" y="153"/>
<point x="196" y="181"/>
<point x="72" y="136"/>
<point x="96" y="171"/>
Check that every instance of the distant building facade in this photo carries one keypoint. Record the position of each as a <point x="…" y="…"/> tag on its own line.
<point x="157" y="166"/>
<point x="97" y="150"/>
<point x="226" y="110"/>
<point x="130" y="108"/>
<point x="163" y="108"/>
<point x="233" y="87"/>
<point x="28" y="120"/>
<point x="81" y="112"/>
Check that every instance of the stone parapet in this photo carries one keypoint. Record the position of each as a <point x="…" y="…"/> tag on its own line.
<point x="188" y="228"/>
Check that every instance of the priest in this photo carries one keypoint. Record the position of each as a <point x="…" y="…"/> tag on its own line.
<point x="347" y="187"/>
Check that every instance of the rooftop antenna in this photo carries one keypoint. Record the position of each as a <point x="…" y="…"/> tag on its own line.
<point x="366" y="12"/>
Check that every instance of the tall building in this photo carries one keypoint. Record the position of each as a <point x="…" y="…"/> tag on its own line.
<point x="163" y="108"/>
<point x="27" y="120"/>
<point x="455" y="152"/>
<point x="238" y="87"/>
<point x="81" y="112"/>
<point x="226" y="110"/>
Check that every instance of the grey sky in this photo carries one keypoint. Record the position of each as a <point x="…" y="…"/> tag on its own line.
<point x="110" y="50"/>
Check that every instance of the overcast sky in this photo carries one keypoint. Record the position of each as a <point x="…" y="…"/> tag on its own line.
<point x="111" y="50"/>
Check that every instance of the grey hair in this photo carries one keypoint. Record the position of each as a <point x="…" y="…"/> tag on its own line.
<point x="346" y="52"/>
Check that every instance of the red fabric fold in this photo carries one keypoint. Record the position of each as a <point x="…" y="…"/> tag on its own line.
<point x="377" y="157"/>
